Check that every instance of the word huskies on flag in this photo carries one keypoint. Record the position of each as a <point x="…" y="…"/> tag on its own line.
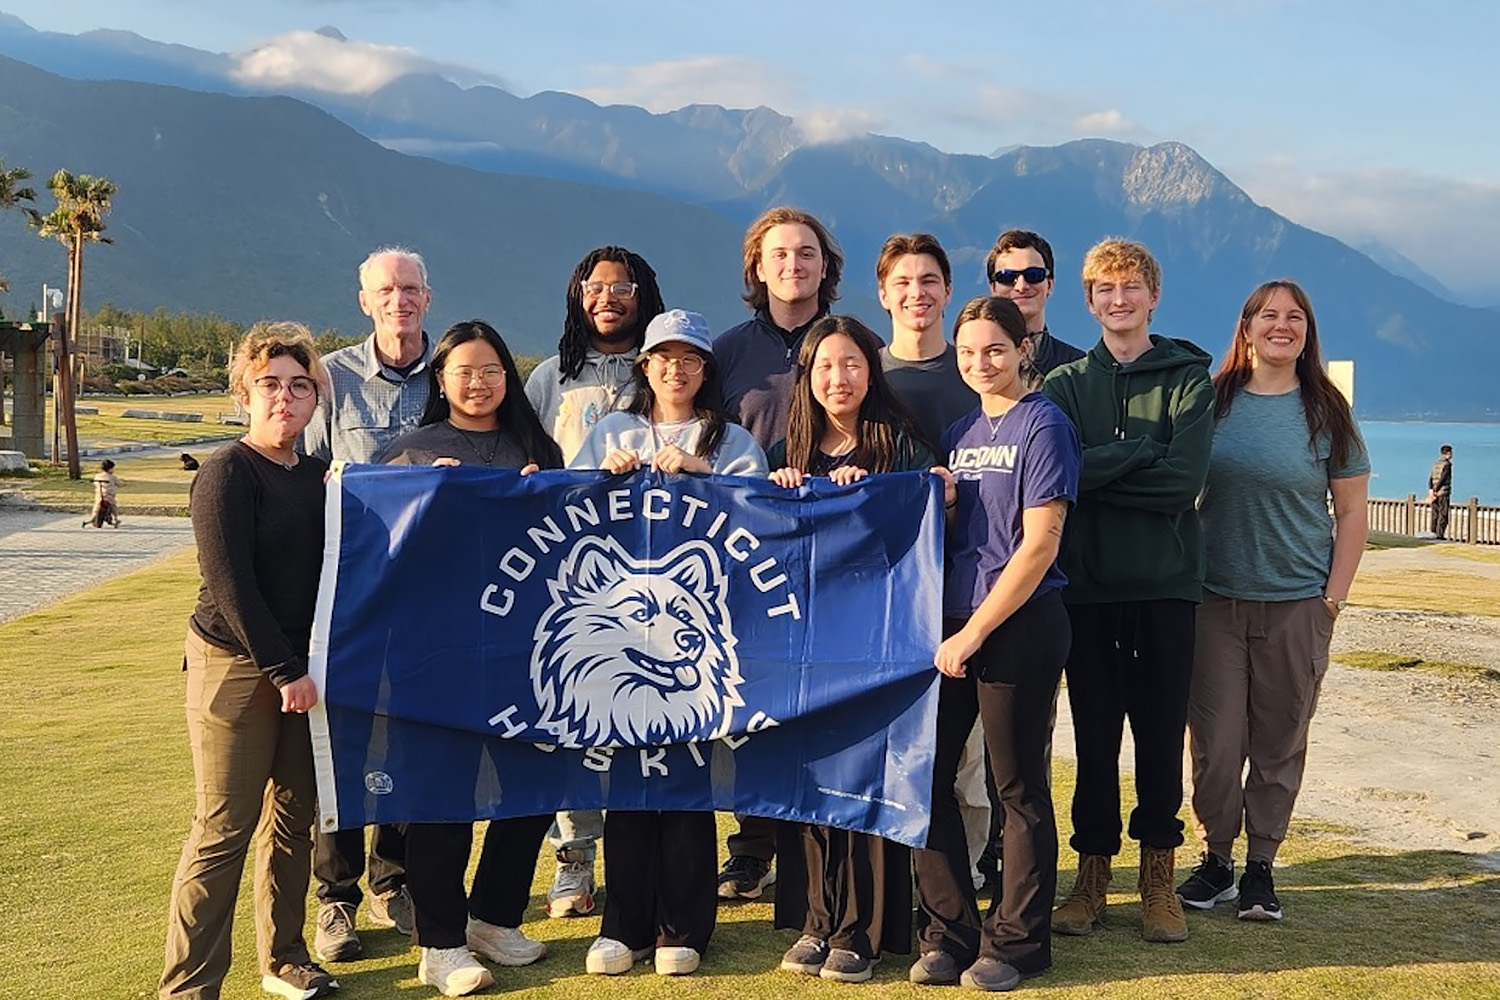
<point x="489" y="645"/>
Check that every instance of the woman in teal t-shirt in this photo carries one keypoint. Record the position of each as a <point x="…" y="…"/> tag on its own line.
<point x="1279" y="569"/>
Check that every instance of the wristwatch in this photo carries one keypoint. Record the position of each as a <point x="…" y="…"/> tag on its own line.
<point x="1337" y="605"/>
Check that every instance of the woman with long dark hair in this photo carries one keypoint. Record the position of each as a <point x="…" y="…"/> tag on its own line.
<point x="1011" y="477"/>
<point x="1279" y="570"/>
<point x="660" y="866"/>
<point x="848" y="893"/>
<point x="477" y="414"/>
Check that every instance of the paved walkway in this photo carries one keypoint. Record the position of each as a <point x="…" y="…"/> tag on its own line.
<point x="46" y="556"/>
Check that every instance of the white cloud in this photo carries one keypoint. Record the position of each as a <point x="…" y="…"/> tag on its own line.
<point x="1020" y="115"/>
<point x="1105" y="123"/>
<point x="1449" y="228"/>
<point x="822" y="125"/>
<point x="731" y="81"/>
<point x="313" y="61"/>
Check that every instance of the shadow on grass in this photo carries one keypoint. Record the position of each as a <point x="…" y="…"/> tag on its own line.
<point x="1371" y="910"/>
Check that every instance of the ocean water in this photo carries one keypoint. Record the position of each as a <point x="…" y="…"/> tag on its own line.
<point x="1402" y="453"/>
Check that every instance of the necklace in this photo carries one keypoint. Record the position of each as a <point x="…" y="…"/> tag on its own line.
<point x="996" y="422"/>
<point x="263" y="453"/>
<point x="673" y="436"/>
<point x="494" y="446"/>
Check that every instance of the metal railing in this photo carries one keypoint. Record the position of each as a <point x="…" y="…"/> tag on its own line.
<point x="1473" y="522"/>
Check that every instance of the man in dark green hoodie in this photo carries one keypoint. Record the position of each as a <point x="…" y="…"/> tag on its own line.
<point x="1143" y="406"/>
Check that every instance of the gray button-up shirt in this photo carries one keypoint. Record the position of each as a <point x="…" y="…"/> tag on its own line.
<point x="372" y="404"/>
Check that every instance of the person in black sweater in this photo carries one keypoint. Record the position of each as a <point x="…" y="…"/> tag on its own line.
<point x="257" y="509"/>
<point x="848" y="893"/>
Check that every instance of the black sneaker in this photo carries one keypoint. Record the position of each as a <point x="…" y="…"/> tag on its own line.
<point x="1258" y="893"/>
<point x="806" y="956"/>
<point x="299" y="982"/>
<point x="1212" y="881"/>
<point x="847" y="966"/>
<point x="744" y="877"/>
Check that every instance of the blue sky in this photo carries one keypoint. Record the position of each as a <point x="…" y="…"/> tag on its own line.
<point x="1370" y="119"/>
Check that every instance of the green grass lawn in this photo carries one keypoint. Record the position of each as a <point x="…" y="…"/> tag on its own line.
<point x="96" y="798"/>
<point x="109" y="427"/>
<point x="156" y="485"/>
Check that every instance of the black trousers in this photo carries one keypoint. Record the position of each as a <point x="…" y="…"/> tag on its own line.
<point x="850" y="889"/>
<point x="339" y="861"/>
<point x="1010" y="685"/>
<point x="662" y="873"/>
<point x="439" y="856"/>
<point x="756" y="838"/>
<point x="1132" y="660"/>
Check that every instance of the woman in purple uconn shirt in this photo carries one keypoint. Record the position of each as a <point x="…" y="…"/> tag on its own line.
<point x="1012" y="475"/>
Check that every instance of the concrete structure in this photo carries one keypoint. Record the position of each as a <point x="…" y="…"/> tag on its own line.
<point x="26" y="345"/>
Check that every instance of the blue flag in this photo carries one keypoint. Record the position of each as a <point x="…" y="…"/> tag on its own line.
<point x="490" y="645"/>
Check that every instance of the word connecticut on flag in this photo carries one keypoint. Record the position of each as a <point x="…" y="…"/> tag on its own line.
<point x="491" y="645"/>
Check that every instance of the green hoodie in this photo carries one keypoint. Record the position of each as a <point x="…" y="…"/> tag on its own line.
<point x="1146" y="429"/>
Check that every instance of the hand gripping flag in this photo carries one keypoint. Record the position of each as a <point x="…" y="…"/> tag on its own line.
<point x="489" y="645"/>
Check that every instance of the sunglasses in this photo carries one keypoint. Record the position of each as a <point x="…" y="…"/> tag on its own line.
<point x="1033" y="276"/>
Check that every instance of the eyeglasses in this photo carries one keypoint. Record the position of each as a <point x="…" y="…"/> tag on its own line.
<point x="619" y="289"/>
<point x="269" y="386"/>
<point x="490" y="375"/>
<point x="1033" y="276"/>
<point x="689" y="364"/>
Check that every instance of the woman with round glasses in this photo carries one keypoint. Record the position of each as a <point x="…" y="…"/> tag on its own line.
<point x="848" y="893"/>
<point x="257" y="510"/>
<point x="662" y="867"/>
<point x="675" y="421"/>
<point x="477" y="414"/>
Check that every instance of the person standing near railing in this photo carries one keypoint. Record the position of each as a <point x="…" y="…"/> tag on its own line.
<point x="1440" y="490"/>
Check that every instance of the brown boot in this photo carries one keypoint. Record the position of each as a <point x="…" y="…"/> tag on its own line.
<point x="1084" y="906"/>
<point x="1161" y="918"/>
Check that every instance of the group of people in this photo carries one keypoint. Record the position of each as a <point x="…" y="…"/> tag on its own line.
<point x="1159" y="536"/>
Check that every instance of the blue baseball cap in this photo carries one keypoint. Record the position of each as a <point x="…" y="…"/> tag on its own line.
<point x="678" y="325"/>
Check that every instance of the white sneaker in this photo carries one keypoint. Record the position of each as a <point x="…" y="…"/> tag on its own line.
<point x="676" y="961"/>
<point x="608" y="957"/>
<point x="572" y="891"/>
<point x="502" y="945"/>
<point x="453" y="971"/>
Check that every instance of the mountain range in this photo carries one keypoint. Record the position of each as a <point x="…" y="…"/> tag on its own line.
<point x="259" y="205"/>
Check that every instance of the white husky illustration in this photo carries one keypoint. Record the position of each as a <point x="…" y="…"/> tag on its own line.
<point x="635" y="651"/>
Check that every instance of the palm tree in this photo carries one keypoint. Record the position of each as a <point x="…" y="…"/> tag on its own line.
<point x="11" y="195"/>
<point x="82" y="203"/>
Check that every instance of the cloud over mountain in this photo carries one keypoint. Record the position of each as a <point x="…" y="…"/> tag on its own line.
<point x="326" y="61"/>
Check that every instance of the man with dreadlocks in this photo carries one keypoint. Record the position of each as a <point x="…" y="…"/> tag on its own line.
<point x="611" y="297"/>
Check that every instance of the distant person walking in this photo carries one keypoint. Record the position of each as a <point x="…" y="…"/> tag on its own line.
<point x="106" y="497"/>
<point x="1278" y="574"/>
<point x="1440" y="490"/>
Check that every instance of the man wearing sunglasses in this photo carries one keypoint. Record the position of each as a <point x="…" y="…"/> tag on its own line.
<point x="1020" y="268"/>
<point x="379" y="392"/>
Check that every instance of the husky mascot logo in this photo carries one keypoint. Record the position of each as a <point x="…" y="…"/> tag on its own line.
<point x="635" y="651"/>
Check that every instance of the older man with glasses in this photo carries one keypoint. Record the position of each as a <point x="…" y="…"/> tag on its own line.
<point x="380" y="389"/>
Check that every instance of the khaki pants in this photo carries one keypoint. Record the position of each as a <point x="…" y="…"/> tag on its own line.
<point x="1257" y="669"/>
<point x="253" y="770"/>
